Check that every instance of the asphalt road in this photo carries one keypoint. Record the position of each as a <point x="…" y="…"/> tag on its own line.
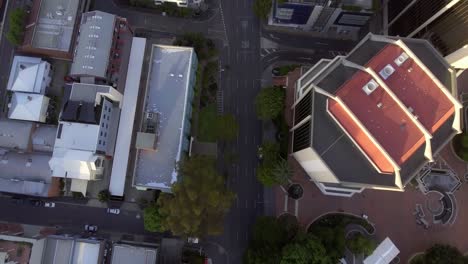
<point x="71" y="217"/>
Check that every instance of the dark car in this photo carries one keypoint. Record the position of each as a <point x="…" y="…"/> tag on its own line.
<point x="17" y="201"/>
<point x="276" y="71"/>
<point x="36" y="202"/>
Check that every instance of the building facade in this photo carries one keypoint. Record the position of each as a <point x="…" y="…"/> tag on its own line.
<point x="374" y="118"/>
<point x="443" y="22"/>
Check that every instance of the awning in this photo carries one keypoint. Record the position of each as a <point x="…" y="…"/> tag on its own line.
<point x="78" y="185"/>
<point x="383" y="254"/>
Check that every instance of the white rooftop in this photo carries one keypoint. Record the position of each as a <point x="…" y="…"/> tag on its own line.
<point x="123" y="254"/>
<point x="167" y="94"/>
<point x="27" y="74"/>
<point x="78" y="136"/>
<point x="75" y="164"/>
<point x="383" y="254"/>
<point x="29" y="107"/>
<point x="127" y="118"/>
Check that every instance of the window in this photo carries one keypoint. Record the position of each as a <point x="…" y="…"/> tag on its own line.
<point x="109" y="110"/>
<point x="99" y="142"/>
<point x="107" y="126"/>
<point x="59" y="133"/>
<point x="107" y="118"/>
<point x="104" y="143"/>
<point x="97" y="163"/>
<point x="105" y="134"/>
<point x="102" y="125"/>
<point x="105" y="108"/>
<point x="101" y="133"/>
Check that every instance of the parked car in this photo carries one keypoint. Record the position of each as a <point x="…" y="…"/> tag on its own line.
<point x="17" y="201"/>
<point x="276" y="71"/>
<point x="36" y="202"/>
<point x="193" y="240"/>
<point x="113" y="211"/>
<point x="49" y="204"/>
<point x="91" y="228"/>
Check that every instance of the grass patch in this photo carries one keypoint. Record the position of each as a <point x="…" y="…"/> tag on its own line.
<point x="207" y="124"/>
<point x="352" y="8"/>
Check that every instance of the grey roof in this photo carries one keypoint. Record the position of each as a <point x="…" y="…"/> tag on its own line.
<point x="61" y="250"/>
<point x="94" y="44"/>
<point x="25" y="173"/>
<point x="123" y="254"/>
<point x="337" y="150"/>
<point x="167" y="94"/>
<point x="43" y="138"/>
<point x="87" y="92"/>
<point x="15" y="134"/>
<point x="55" y="24"/>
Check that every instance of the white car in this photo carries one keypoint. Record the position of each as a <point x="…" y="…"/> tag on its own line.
<point x="49" y="204"/>
<point x="113" y="211"/>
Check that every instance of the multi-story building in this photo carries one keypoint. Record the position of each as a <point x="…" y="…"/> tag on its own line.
<point x="374" y="118"/>
<point x="341" y="17"/>
<point x="51" y="28"/>
<point x="164" y="132"/>
<point x="102" y="49"/>
<point x="29" y="79"/>
<point x="443" y="22"/>
<point x="86" y="134"/>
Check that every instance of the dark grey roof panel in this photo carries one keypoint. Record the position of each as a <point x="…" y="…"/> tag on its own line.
<point x="413" y="165"/>
<point x="335" y="79"/>
<point x="324" y="129"/>
<point x="363" y="54"/>
<point x="442" y="134"/>
<point x="433" y="61"/>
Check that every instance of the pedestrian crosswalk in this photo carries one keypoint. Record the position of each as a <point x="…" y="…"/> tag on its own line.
<point x="220" y="101"/>
<point x="265" y="52"/>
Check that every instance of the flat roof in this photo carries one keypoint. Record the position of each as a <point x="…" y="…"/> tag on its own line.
<point x="380" y="114"/>
<point x="15" y="134"/>
<point x="55" y="24"/>
<point x="77" y="136"/>
<point x="73" y="251"/>
<point x="94" y="44"/>
<point x="127" y="118"/>
<point x="415" y="88"/>
<point x="167" y="94"/>
<point x="123" y="254"/>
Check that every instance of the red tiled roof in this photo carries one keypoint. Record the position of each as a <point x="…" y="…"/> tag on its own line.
<point x="414" y="88"/>
<point x="361" y="138"/>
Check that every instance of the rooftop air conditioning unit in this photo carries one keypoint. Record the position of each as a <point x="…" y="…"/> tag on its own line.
<point x="400" y="59"/>
<point x="387" y="71"/>
<point x="370" y="87"/>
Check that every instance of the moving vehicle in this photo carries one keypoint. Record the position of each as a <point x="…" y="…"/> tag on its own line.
<point x="49" y="204"/>
<point x="91" y="228"/>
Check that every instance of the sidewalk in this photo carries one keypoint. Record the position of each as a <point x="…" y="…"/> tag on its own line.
<point x="312" y="34"/>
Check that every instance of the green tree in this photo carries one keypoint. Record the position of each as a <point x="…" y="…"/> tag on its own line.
<point x="270" y="152"/>
<point x="262" y="8"/>
<point x="333" y="239"/>
<point x="274" y="169"/>
<point x="359" y="244"/>
<point x="306" y="249"/>
<point x="281" y="171"/>
<point x="153" y="219"/>
<point x="444" y="254"/>
<point x="200" y="199"/>
<point x="104" y="196"/>
<point x="269" y="102"/>
<point x="17" y="21"/>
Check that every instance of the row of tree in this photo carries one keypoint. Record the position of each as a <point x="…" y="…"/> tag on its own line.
<point x="198" y="202"/>
<point x="17" y="21"/>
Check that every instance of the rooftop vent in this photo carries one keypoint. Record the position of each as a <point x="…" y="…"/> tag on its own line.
<point x="400" y="59"/>
<point x="370" y="87"/>
<point x="387" y="71"/>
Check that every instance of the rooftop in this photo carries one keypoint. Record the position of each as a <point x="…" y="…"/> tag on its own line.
<point x="15" y="134"/>
<point x="415" y="88"/>
<point x="27" y="75"/>
<point x="78" y="136"/>
<point x="55" y="24"/>
<point x="367" y="122"/>
<point x="123" y="254"/>
<point x="29" y="107"/>
<point x="167" y="93"/>
<point x="94" y="44"/>
<point x="73" y="251"/>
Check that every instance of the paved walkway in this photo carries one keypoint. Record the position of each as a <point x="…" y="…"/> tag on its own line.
<point x="391" y="212"/>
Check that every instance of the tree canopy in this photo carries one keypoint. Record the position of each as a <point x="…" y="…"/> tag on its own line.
<point x="213" y="127"/>
<point x="359" y="244"/>
<point x="273" y="169"/>
<point x="199" y="199"/>
<point x="269" y="102"/>
<point x="17" y="21"/>
<point x="441" y="254"/>
<point x="262" y="8"/>
<point x="279" y="241"/>
<point x="153" y="219"/>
